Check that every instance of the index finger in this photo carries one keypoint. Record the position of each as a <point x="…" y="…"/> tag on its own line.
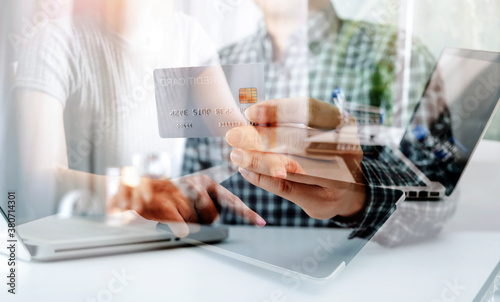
<point x="303" y="110"/>
<point x="228" y="200"/>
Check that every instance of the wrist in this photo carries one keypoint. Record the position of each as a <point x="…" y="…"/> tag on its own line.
<point x="355" y="208"/>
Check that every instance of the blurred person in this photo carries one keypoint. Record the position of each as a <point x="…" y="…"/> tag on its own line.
<point x="308" y="50"/>
<point x="85" y="102"/>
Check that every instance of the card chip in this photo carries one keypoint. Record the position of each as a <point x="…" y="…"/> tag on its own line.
<point x="248" y="95"/>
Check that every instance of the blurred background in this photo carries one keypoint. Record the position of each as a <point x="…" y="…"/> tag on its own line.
<point x="457" y="23"/>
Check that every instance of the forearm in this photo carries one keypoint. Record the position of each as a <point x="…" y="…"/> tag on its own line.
<point x="45" y="175"/>
<point x="68" y="180"/>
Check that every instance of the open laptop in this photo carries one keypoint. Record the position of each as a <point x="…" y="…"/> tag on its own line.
<point x="456" y="107"/>
<point x="57" y="238"/>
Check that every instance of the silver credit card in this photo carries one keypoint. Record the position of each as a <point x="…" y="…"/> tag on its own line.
<point x="206" y="101"/>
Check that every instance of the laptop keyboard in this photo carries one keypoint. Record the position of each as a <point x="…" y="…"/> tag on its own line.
<point x="382" y="167"/>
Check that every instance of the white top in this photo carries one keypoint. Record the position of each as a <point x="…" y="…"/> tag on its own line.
<point x="106" y="85"/>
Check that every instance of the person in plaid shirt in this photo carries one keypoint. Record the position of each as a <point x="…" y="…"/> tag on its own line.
<point x="322" y="52"/>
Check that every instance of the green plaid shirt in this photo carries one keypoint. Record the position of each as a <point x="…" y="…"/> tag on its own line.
<point x="360" y="58"/>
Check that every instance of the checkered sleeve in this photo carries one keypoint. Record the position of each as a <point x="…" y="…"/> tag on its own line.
<point x="415" y="221"/>
<point x="412" y="221"/>
<point x="380" y="203"/>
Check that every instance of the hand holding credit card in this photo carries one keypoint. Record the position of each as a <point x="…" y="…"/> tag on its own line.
<point x="287" y="132"/>
<point x="275" y="155"/>
<point x="271" y="145"/>
<point x="206" y="101"/>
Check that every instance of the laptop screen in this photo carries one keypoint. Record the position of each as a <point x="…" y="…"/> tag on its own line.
<point x="456" y="107"/>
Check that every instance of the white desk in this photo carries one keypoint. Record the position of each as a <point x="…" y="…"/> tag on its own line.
<point x="466" y="252"/>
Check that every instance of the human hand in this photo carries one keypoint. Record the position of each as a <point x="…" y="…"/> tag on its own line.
<point x="266" y="157"/>
<point x="180" y="201"/>
<point x="288" y="138"/>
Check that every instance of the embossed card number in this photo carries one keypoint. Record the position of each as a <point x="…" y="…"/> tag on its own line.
<point x="206" y="101"/>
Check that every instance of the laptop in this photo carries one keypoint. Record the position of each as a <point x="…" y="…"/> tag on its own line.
<point x="452" y="116"/>
<point x="57" y="238"/>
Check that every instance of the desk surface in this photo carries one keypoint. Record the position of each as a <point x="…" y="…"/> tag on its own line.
<point x="454" y="266"/>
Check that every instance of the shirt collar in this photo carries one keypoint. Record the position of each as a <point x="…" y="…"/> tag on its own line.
<point x="319" y="25"/>
<point x="322" y="23"/>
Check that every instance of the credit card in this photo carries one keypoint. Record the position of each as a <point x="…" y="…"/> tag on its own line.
<point x="206" y="101"/>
